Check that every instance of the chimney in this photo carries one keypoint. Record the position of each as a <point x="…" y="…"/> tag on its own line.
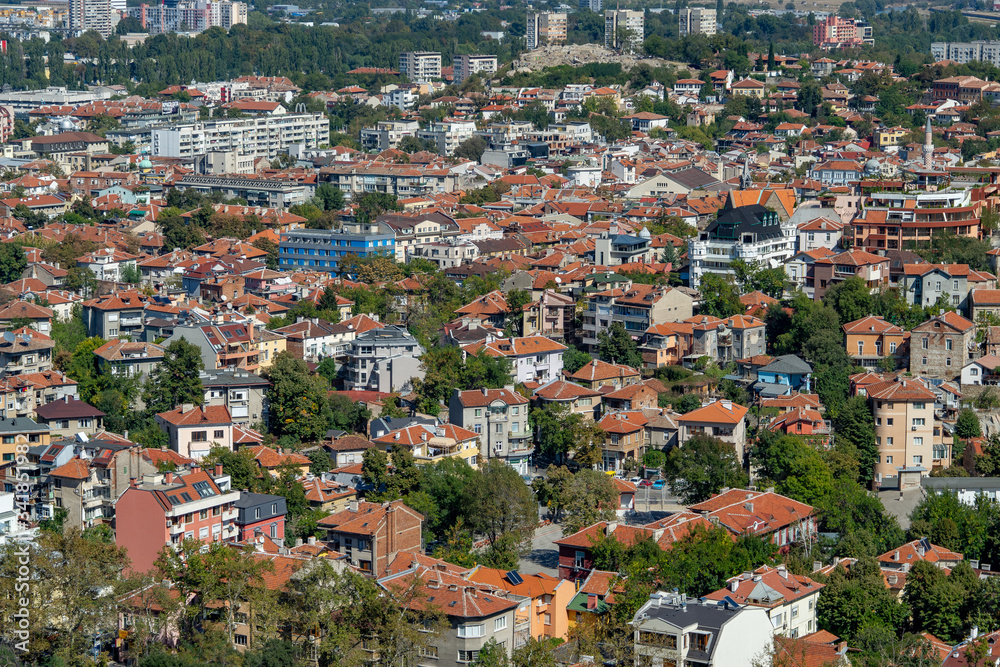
<point x="591" y="601"/>
<point x="298" y="541"/>
<point x="186" y="408"/>
<point x="168" y="477"/>
<point x="312" y="540"/>
<point x="218" y="469"/>
<point x="133" y="482"/>
<point x="195" y="468"/>
<point x="782" y="572"/>
<point x="734" y="584"/>
<point x="352" y="506"/>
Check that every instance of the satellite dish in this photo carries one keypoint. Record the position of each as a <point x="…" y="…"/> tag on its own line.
<point x="558" y="280"/>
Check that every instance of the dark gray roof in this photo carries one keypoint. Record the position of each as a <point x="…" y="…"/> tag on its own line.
<point x="508" y="244"/>
<point x="386" y="425"/>
<point x="693" y="178"/>
<point x="232" y="379"/>
<point x="22" y="425"/>
<point x="748" y="219"/>
<point x="788" y="363"/>
<point x="625" y="239"/>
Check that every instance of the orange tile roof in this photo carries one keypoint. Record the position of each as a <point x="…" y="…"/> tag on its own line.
<point x="717" y="412"/>
<point x="73" y="469"/>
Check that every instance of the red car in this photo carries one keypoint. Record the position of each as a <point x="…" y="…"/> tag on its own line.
<point x="645" y="482"/>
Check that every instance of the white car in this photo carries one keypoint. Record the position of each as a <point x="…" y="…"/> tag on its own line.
<point x="636" y="480"/>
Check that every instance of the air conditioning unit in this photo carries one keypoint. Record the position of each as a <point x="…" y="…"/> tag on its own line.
<point x="169" y="523"/>
<point x="913" y="428"/>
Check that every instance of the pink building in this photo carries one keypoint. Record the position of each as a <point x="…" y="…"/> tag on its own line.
<point x="195" y="429"/>
<point x="836" y="33"/>
<point x="167" y="508"/>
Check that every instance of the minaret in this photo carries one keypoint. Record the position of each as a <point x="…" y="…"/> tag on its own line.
<point x="746" y="180"/>
<point x="928" y="146"/>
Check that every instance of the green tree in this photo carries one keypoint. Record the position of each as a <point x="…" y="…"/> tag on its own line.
<point x="855" y="429"/>
<point x="616" y="346"/>
<point x="937" y="602"/>
<point x="298" y="403"/>
<point x="852" y="299"/>
<point x="590" y="497"/>
<point x="686" y="403"/>
<point x="702" y="467"/>
<point x="575" y="359"/>
<point x="176" y="380"/>
<point x="12" y="262"/>
<point x="83" y="368"/>
<point x="857" y="599"/>
<point x="504" y="510"/>
<point x="967" y="425"/>
<point x="720" y="297"/>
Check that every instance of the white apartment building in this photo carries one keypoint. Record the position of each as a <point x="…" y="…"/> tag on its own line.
<point x="790" y="599"/>
<point x="545" y="28"/>
<point x="448" y="134"/>
<point x="966" y="52"/>
<point x="467" y="65"/>
<point x="87" y="15"/>
<point x="532" y="358"/>
<point x="696" y="21"/>
<point x="258" y="136"/>
<point x="752" y="233"/>
<point x="420" y="66"/>
<point x="388" y="134"/>
<point x="624" y="29"/>
<point x="445" y="254"/>
<point x="403" y="98"/>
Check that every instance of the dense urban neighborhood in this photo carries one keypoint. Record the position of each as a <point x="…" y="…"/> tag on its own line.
<point x="469" y="334"/>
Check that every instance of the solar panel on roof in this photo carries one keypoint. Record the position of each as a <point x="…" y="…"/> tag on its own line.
<point x="514" y="578"/>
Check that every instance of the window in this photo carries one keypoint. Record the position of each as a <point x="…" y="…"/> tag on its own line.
<point x="861" y="347"/>
<point x="947" y="362"/>
<point x="500" y="624"/>
<point x="498" y="428"/>
<point x="919" y="406"/>
<point x="203" y="533"/>
<point x="917" y="460"/>
<point x="219" y="434"/>
<point x="918" y="442"/>
<point x="274" y="508"/>
<point x="199" y="436"/>
<point x="274" y="530"/>
<point x="84" y="423"/>
<point x="888" y="421"/>
<point x="795" y="611"/>
<point x="954" y="284"/>
<point x="888" y="442"/>
<point x="478" y="429"/>
<point x="467" y="656"/>
<point x="947" y="345"/>
<point x="240" y="640"/>
<point x="516" y="410"/>
<point x="203" y="515"/>
<point x="888" y="460"/>
<point x="918" y="421"/>
<point x="256" y="513"/>
<point x="479" y="412"/>
<point x="428" y="652"/>
<point x="923" y="343"/>
<point x="892" y="348"/>
<point x="580" y="555"/>
<point x="924" y="361"/>
<point x="547" y="619"/>
<point x="470" y="630"/>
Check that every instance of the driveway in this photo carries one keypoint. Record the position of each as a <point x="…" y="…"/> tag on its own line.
<point x="544" y="556"/>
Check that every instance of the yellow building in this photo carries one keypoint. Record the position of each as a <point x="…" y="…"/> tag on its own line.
<point x="271" y="344"/>
<point x="750" y="88"/>
<point x="432" y="444"/>
<point x="871" y="338"/>
<point x="890" y="136"/>
<point x="904" y="428"/>
<point x="20" y="432"/>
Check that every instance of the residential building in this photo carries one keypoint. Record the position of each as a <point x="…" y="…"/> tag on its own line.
<point x="624" y="29"/>
<point x="241" y="392"/>
<point x="766" y="514"/>
<point x="430" y="444"/>
<point x="116" y="315"/>
<point x="164" y="509"/>
<point x="871" y="338"/>
<point x="258" y="136"/>
<point x="194" y="430"/>
<point x="723" y="419"/>
<point x="108" y="264"/>
<point x="258" y="192"/>
<point x="402" y="180"/>
<point x="122" y="358"/>
<point x="962" y="88"/>
<point x="467" y="65"/>
<point x="966" y="52"/>
<point x="371" y="535"/>
<point x="500" y="418"/>
<point x="625" y="440"/>
<point x="20" y="431"/>
<point x="322" y="249"/>
<point x="448" y="134"/>
<point x="614" y="249"/>
<point x="549" y="597"/>
<point x="384" y="359"/>
<point x="228" y="347"/>
<point x="822" y="232"/>
<point x="388" y="134"/>
<point x="899" y="220"/>
<point x="942" y="346"/>
<point x="577" y="399"/>
<point x="260" y="514"/>
<point x="666" y="344"/>
<point x="904" y="428"/>
<point x="552" y="314"/>
<point x="737" y="337"/>
<point x="835" y="32"/>
<point x="544" y="28"/>
<point x="670" y="628"/>
<point x="696" y="21"/>
<point x="22" y="353"/>
<point x="420" y="66"/>
<point x="69" y="417"/>
<point x="930" y="285"/>
<point x="790" y="599"/>
<point x="749" y="88"/>
<point x="93" y="15"/>
<point x="637" y="307"/>
<point x="981" y="371"/>
<point x="475" y="613"/>
<point x="782" y="375"/>
<point x="533" y="358"/>
<point x="833" y="269"/>
<point x="25" y="312"/>
<point x="596" y="374"/>
<point x="752" y="233"/>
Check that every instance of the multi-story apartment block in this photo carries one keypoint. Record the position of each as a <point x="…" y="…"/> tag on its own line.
<point x="624" y="29"/>
<point x="190" y="17"/>
<point x="614" y="249"/>
<point x="833" y="269"/>
<point x="752" y="233"/>
<point x="736" y="337"/>
<point x="671" y="628"/>
<point x="500" y="418"/>
<point x="928" y="284"/>
<point x="942" y="346"/>
<point x="193" y="430"/>
<point x="164" y="509"/>
<point x="897" y="220"/>
<point x="724" y="420"/>
<point x="904" y="427"/>
<point x="544" y="28"/>
<point x="115" y="315"/>
<point x="322" y="249"/>
<point x="123" y="358"/>
<point x="371" y="535"/>
<point x="835" y="32"/>
<point x="444" y="254"/>
<point x="448" y="134"/>
<point x="402" y="180"/>
<point x="533" y="358"/>
<point x="467" y="65"/>
<point x="637" y="307"/>
<point x="260" y="514"/>
<point x="966" y="52"/>
<point x="697" y="21"/>
<point x="388" y="134"/>
<point x="385" y="359"/>
<point x="420" y="66"/>
<point x="24" y="353"/>
<point x="87" y="15"/>
<point x="552" y="315"/>
<point x="277" y="194"/>
<point x="790" y="599"/>
<point x="259" y="136"/>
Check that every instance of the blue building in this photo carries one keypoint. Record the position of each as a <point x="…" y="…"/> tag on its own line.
<point x="323" y="249"/>
<point x="782" y="375"/>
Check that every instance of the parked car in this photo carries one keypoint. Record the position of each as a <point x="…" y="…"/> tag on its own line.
<point x="636" y="480"/>
<point x="645" y="482"/>
<point x="659" y="484"/>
